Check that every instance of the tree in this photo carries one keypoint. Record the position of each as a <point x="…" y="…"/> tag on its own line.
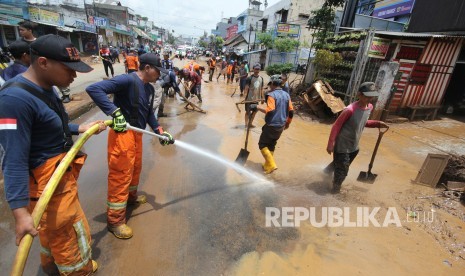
<point x="219" y="42"/>
<point x="285" y="44"/>
<point x="171" y="39"/>
<point x="322" y="20"/>
<point x="203" y="43"/>
<point x="266" y="39"/>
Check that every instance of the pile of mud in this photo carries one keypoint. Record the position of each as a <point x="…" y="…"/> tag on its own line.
<point x="455" y="170"/>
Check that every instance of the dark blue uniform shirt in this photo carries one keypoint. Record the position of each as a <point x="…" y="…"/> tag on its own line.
<point x="122" y="87"/>
<point x="30" y="133"/>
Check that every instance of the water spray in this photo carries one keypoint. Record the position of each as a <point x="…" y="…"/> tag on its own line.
<point x="206" y="153"/>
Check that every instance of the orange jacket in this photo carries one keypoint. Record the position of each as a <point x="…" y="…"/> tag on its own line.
<point x="212" y="63"/>
<point x="132" y="62"/>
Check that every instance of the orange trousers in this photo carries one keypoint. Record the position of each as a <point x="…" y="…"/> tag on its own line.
<point x="64" y="232"/>
<point x="124" y="167"/>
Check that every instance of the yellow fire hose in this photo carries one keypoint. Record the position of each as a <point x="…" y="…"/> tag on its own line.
<point x="26" y="241"/>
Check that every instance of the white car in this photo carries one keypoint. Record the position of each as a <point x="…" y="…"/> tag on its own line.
<point x="181" y="51"/>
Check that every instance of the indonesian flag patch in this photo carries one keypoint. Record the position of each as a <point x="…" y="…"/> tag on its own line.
<point x="8" y="124"/>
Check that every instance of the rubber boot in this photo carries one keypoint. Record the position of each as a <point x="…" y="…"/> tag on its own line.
<point x="336" y="188"/>
<point x="94" y="266"/>
<point x="122" y="231"/>
<point x="140" y="200"/>
<point x="269" y="166"/>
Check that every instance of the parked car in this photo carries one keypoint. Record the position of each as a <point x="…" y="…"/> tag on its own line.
<point x="181" y="51"/>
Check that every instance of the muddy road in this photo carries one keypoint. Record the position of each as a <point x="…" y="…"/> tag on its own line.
<point x="203" y="218"/>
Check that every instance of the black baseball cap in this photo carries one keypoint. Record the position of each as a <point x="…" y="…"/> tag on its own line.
<point x="153" y="60"/>
<point x="368" y="89"/>
<point x="18" y="48"/>
<point x="60" y="49"/>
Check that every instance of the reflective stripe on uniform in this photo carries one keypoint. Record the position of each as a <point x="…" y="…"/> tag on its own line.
<point x="64" y="269"/>
<point x="45" y="251"/>
<point x="116" y="205"/>
<point x="83" y="241"/>
<point x="133" y="188"/>
<point x="84" y="248"/>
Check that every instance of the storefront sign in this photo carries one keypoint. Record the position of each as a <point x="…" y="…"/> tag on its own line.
<point x="290" y="30"/>
<point x="379" y="48"/>
<point x="232" y="31"/>
<point x="393" y="8"/>
<point x="85" y="27"/>
<point x="44" y="16"/>
<point x="98" y="21"/>
<point x="108" y="33"/>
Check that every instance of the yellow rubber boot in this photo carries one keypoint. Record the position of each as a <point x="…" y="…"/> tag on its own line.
<point x="139" y="201"/>
<point x="94" y="266"/>
<point x="122" y="231"/>
<point x="269" y="166"/>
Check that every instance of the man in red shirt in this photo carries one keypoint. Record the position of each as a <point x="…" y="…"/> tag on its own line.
<point x="195" y="84"/>
<point x="106" y="58"/>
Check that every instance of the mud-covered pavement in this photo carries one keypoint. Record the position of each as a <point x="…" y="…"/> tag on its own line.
<point x="203" y="218"/>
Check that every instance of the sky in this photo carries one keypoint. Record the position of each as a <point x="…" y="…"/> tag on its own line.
<point x="189" y="17"/>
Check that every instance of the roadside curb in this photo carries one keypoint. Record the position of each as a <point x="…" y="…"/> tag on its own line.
<point x="80" y="104"/>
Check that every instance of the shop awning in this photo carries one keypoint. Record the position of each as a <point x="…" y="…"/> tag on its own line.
<point x="425" y="35"/>
<point x="9" y="20"/>
<point x="141" y="33"/>
<point x="65" y="29"/>
<point x="117" y="30"/>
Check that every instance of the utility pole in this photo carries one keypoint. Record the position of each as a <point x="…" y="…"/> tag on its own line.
<point x="250" y="32"/>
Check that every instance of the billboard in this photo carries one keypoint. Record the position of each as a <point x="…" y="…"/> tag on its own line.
<point x="393" y="8"/>
<point x="98" y="21"/>
<point x="232" y="31"/>
<point x="290" y="30"/>
<point x="45" y="16"/>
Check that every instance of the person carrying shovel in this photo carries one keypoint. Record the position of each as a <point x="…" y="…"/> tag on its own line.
<point x="253" y="92"/>
<point x="133" y="103"/>
<point x="279" y="112"/>
<point x="347" y="130"/>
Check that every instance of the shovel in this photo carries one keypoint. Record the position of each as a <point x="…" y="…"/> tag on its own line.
<point x="244" y="154"/>
<point x="369" y="177"/>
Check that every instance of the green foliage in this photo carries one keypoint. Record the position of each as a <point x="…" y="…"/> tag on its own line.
<point x="171" y="39"/>
<point x="325" y="60"/>
<point x="285" y="44"/>
<point x="322" y="20"/>
<point x="279" y="68"/>
<point x="203" y="43"/>
<point x="334" y="3"/>
<point x="265" y="39"/>
<point x="219" y="42"/>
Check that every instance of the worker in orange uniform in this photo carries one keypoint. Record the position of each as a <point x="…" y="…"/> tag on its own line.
<point x="34" y="137"/>
<point x="133" y="103"/>
<point x="211" y="64"/>
<point x="132" y="62"/>
<point x="105" y="54"/>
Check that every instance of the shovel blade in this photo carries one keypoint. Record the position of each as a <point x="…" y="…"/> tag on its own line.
<point x="367" y="177"/>
<point x="242" y="157"/>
